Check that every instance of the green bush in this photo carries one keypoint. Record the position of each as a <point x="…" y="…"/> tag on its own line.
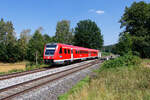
<point x="106" y="53"/>
<point x="15" y="70"/>
<point x="127" y="60"/>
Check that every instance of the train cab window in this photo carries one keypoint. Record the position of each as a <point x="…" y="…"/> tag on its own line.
<point x="60" y="51"/>
<point x="68" y="51"/>
<point x="50" y="49"/>
<point x="65" y="51"/>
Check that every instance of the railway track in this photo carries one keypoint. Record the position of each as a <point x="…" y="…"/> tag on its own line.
<point x="18" y="89"/>
<point x="17" y="74"/>
<point x="8" y="76"/>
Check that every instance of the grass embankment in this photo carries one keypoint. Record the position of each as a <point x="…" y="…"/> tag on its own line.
<point x="124" y="78"/>
<point x="7" y="68"/>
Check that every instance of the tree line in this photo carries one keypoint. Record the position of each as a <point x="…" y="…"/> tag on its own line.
<point x="28" y="47"/>
<point x="135" y="38"/>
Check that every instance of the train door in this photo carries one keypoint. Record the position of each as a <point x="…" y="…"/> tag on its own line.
<point x="71" y="54"/>
<point x="89" y="54"/>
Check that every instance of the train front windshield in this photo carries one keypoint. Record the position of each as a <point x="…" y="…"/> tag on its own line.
<point x="50" y="50"/>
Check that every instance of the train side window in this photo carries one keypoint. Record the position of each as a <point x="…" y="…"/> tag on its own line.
<point x="60" y="51"/>
<point x="68" y="51"/>
<point x="76" y="51"/>
<point x="71" y="51"/>
<point x="65" y="51"/>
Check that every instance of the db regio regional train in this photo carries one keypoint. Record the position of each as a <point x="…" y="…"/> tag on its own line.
<point x="58" y="53"/>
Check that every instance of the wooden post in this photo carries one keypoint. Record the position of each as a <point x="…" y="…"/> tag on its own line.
<point x="36" y="57"/>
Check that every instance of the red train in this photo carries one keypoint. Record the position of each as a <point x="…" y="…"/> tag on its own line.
<point x="58" y="53"/>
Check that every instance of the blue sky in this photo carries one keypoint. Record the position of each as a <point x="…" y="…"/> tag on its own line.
<point x="31" y="14"/>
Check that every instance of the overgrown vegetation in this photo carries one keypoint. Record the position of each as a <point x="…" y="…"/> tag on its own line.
<point x="124" y="78"/>
<point x="127" y="60"/>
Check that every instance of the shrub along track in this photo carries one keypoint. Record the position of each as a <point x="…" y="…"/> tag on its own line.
<point x="16" y="90"/>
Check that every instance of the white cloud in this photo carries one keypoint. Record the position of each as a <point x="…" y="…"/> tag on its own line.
<point x="99" y="12"/>
<point x="96" y="11"/>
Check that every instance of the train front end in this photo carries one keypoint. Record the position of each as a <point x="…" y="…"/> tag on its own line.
<point x="49" y="53"/>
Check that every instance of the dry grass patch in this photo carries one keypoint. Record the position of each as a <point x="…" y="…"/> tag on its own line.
<point x="5" y="67"/>
<point x="146" y="63"/>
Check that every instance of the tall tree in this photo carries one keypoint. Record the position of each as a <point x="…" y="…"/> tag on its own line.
<point x="136" y="21"/>
<point x="35" y="47"/>
<point x="7" y="33"/>
<point x="125" y="44"/>
<point x="63" y="33"/>
<point x="22" y="43"/>
<point x="47" y="38"/>
<point x="2" y="31"/>
<point x="9" y="51"/>
<point x="3" y="50"/>
<point x="25" y="35"/>
<point x="10" y="33"/>
<point x="88" y="34"/>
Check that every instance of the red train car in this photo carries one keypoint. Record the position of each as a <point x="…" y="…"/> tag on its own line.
<point x="58" y="53"/>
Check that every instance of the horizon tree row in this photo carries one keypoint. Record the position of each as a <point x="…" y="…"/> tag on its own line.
<point x="29" y="47"/>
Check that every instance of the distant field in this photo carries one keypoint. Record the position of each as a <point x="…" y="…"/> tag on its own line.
<point x="5" y="67"/>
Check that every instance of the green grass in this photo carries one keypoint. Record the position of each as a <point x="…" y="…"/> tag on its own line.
<point x="32" y="67"/>
<point x="75" y="89"/>
<point x="15" y="70"/>
<point x="12" y="71"/>
<point x="129" y="81"/>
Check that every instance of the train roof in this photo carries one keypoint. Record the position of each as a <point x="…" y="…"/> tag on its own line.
<point x="71" y="46"/>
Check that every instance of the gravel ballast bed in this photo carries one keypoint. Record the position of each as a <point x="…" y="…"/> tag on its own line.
<point x="13" y="81"/>
<point x="52" y="90"/>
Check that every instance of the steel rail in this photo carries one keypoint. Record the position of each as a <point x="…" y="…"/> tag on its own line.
<point x="75" y="69"/>
<point x="12" y="75"/>
<point x="17" y="74"/>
